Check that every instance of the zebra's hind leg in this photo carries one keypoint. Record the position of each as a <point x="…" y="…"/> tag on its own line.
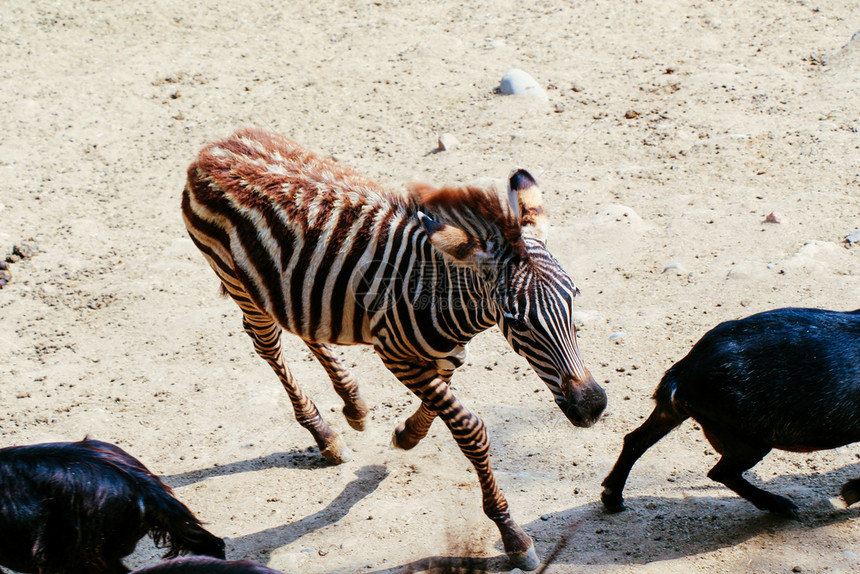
<point x="410" y="432"/>
<point x="474" y="442"/>
<point x="354" y="408"/>
<point x="267" y="342"/>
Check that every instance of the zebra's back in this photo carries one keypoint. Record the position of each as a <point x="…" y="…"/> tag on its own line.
<point x="290" y="232"/>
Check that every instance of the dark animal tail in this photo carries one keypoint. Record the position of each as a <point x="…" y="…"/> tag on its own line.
<point x="664" y="396"/>
<point x="172" y="525"/>
<point x="170" y="522"/>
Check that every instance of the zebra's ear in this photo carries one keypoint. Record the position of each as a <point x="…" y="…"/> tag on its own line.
<point x="453" y="241"/>
<point x="525" y="198"/>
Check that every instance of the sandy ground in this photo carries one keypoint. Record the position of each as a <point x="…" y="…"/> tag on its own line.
<point x="672" y="130"/>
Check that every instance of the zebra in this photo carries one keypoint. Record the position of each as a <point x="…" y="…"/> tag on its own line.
<point x="306" y="245"/>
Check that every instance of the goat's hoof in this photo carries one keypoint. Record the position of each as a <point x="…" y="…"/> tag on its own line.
<point x="782" y="506"/>
<point x="337" y="452"/>
<point x="851" y="492"/>
<point x="612" y="503"/>
<point x="525" y="560"/>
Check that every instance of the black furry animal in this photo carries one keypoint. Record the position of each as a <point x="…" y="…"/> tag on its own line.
<point x="786" y="379"/>
<point x="80" y="507"/>
<point x="203" y="565"/>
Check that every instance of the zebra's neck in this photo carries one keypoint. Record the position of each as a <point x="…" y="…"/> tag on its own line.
<point x="437" y="305"/>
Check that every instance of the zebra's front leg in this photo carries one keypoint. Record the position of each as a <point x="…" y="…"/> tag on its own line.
<point x="354" y="408"/>
<point x="410" y="432"/>
<point x="267" y="342"/>
<point x="471" y="435"/>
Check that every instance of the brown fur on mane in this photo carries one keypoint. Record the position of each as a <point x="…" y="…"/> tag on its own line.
<point x="472" y="203"/>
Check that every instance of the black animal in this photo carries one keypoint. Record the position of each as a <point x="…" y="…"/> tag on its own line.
<point x="786" y="379"/>
<point x="80" y="507"/>
<point x="203" y="565"/>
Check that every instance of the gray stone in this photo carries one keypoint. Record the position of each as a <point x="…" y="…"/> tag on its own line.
<point x="516" y="82"/>
<point x="853" y="237"/>
<point x="618" y="336"/>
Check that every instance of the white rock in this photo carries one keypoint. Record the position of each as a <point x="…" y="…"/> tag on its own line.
<point x="618" y="336"/>
<point x="518" y="83"/>
<point x="673" y="269"/>
<point x="853" y="237"/>
<point x="448" y="142"/>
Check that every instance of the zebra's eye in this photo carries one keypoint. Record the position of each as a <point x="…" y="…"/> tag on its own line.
<point x="514" y="323"/>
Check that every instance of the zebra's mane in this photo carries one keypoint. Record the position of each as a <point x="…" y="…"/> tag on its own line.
<point x="480" y="211"/>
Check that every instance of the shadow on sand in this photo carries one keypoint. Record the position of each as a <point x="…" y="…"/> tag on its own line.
<point x="261" y="544"/>
<point x="304" y="459"/>
<point x="656" y="528"/>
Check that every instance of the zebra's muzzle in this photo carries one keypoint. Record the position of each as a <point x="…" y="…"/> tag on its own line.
<point x="584" y="402"/>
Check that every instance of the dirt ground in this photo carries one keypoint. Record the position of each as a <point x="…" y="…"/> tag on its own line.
<point x="672" y="129"/>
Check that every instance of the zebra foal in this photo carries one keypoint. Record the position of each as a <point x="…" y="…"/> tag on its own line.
<point x="306" y="245"/>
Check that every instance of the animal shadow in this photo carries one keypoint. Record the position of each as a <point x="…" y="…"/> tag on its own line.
<point x="304" y="459"/>
<point x="261" y="544"/>
<point x="655" y="528"/>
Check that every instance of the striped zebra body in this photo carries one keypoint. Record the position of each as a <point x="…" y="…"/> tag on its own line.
<point x="306" y="245"/>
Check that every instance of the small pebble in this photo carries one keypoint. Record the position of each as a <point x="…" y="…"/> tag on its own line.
<point x="674" y="269"/>
<point x="618" y="336"/>
<point x="519" y="83"/>
<point x="853" y="237"/>
<point x="544" y="517"/>
<point x="797" y="569"/>
<point x="774" y="217"/>
<point x="849" y="554"/>
<point x="448" y="142"/>
<point x="631" y="114"/>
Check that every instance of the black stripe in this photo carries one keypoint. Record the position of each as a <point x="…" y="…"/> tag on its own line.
<point x="338" y="293"/>
<point x="297" y="278"/>
<point x="363" y="283"/>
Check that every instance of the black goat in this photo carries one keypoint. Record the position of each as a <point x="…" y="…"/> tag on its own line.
<point x="203" y="565"/>
<point x="80" y="507"/>
<point x="786" y="379"/>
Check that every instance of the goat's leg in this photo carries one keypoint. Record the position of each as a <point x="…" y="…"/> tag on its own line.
<point x="739" y="455"/>
<point x="354" y="408"/>
<point x="658" y="425"/>
<point x="267" y="342"/>
<point x="474" y="442"/>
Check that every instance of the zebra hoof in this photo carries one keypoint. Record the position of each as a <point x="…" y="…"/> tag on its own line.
<point x="357" y="424"/>
<point x="337" y="452"/>
<point x="526" y="560"/>
<point x="399" y="439"/>
<point x="356" y="414"/>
